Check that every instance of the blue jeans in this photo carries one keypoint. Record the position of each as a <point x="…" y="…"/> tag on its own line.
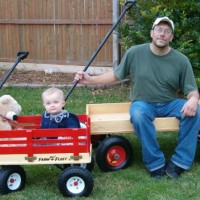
<point x="143" y="113"/>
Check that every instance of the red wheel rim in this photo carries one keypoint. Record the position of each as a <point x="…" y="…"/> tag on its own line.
<point x="116" y="155"/>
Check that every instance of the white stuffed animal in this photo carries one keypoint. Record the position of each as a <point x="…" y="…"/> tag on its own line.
<point x="9" y="110"/>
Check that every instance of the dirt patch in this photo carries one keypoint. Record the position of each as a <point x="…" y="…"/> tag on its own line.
<point x="37" y="77"/>
<point x="32" y="78"/>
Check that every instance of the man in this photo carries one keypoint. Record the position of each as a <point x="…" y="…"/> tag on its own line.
<point x="157" y="72"/>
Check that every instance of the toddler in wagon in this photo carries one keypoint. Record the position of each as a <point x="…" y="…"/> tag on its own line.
<point x="54" y="115"/>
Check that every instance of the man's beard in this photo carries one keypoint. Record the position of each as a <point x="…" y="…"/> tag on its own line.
<point x="160" y="47"/>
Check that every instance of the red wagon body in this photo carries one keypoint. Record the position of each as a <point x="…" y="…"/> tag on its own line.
<point x="68" y="147"/>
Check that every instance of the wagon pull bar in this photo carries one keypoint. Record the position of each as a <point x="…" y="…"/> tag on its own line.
<point x="127" y="6"/>
<point x="21" y="55"/>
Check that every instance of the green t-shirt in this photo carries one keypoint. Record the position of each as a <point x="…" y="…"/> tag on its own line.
<point x="156" y="78"/>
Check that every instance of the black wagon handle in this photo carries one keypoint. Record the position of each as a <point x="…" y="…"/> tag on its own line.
<point x="22" y="55"/>
<point x="128" y="4"/>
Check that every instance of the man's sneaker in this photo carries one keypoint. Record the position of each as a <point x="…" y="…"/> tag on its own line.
<point x="158" y="173"/>
<point x="173" y="171"/>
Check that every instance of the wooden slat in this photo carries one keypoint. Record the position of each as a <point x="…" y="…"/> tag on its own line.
<point x="42" y="159"/>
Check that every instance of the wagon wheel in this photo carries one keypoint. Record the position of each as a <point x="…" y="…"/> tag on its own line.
<point x="75" y="181"/>
<point x="114" y="153"/>
<point x="88" y="166"/>
<point x="12" y="179"/>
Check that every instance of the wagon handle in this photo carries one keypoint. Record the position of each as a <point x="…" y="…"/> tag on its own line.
<point x="21" y="55"/>
<point x="127" y="6"/>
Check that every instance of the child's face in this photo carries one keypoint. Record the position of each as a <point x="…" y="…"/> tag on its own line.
<point x="53" y="103"/>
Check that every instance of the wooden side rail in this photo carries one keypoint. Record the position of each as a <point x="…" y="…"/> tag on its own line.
<point x="110" y="118"/>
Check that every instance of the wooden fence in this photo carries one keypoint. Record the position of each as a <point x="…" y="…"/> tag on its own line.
<point x="56" y="31"/>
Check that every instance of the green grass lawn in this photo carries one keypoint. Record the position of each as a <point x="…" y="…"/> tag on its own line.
<point x="128" y="184"/>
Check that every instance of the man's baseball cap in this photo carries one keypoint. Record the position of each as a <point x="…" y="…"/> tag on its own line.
<point x="163" y="19"/>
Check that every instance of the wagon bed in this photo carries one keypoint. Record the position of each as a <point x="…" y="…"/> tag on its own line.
<point x="110" y="118"/>
<point x="33" y="145"/>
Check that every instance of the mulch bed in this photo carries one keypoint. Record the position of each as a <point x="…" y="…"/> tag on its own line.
<point x="37" y="77"/>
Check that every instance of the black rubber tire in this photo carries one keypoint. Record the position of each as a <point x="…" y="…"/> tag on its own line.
<point x="75" y="182"/>
<point x="12" y="179"/>
<point x="117" y="147"/>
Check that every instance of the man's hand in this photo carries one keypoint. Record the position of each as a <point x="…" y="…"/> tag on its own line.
<point x="83" y="78"/>
<point x="190" y="107"/>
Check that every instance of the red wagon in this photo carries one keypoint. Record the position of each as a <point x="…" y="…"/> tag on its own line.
<point x="65" y="148"/>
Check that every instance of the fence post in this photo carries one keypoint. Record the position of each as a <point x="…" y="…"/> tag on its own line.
<point x="115" y="34"/>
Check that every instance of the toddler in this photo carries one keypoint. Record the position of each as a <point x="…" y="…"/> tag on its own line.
<point x="54" y="115"/>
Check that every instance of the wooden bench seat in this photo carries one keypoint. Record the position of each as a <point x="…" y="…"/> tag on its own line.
<point x="110" y="118"/>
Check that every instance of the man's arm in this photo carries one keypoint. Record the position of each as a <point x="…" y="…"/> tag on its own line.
<point x="106" y="78"/>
